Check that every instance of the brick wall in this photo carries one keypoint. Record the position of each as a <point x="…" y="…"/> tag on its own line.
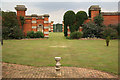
<point x="110" y="19"/>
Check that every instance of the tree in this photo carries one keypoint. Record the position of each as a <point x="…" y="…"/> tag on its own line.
<point x="90" y="30"/>
<point x="109" y="31"/>
<point x="22" y="20"/>
<point x="99" y="20"/>
<point x="69" y="20"/>
<point x="81" y="16"/>
<point x="73" y="28"/>
<point x="10" y="27"/>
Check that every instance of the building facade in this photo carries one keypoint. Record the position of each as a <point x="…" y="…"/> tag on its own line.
<point x="41" y="23"/>
<point x="109" y="17"/>
<point x="33" y="22"/>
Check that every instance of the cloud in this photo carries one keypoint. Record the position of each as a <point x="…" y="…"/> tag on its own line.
<point x="57" y="16"/>
<point x="57" y="10"/>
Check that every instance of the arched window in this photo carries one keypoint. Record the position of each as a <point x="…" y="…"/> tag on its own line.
<point x="40" y="28"/>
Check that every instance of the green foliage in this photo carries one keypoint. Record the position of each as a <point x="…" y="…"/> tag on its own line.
<point x="73" y="28"/>
<point x="109" y="31"/>
<point x="65" y="30"/>
<point x="91" y="30"/>
<point x="74" y="21"/>
<point x="107" y="40"/>
<point x="81" y="16"/>
<point x="22" y="20"/>
<point x="10" y="27"/>
<point x="98" y="20"/>
<point x="69" y="19"/>
<point x="39" y="34"/>
<point x="31" y="34"/>
<point x="76" y="35"/>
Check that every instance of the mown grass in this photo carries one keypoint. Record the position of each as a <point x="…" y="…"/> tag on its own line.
<point x="80" y="53"/>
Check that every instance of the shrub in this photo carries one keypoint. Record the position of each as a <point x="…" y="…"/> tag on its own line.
<point x="107" y="40"/>
<point x="30" y="34"/>
<point x="90" y="30"/>
<point x="76" y="35"/>
<point x="38" y="35"/>
<point x="109" y="31"/>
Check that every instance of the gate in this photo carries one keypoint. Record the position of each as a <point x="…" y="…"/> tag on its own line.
<point x="57" y="27"/>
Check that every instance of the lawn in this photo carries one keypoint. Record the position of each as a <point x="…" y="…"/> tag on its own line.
<point x="91" y="54"/>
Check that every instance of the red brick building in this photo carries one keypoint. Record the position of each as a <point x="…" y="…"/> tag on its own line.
<point x="33" y="22"/>
<point x="109" y="17"/>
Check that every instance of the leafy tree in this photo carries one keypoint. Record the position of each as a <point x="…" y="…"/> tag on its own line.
<point x="90" y="30"/>
<point x="81" y="16"/>
<point x="22" y="20"/>
<point x="69" y="20"/>
<point x="10" y="27"/>
<point x="109" y="31"/>
<point x="99" y="20"/>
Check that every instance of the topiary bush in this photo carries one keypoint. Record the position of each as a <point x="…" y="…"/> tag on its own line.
<point x="76" y="35"/>
<point x="69" y="19"/>
<point x="81" y="16"/>
<point x="38" y="35"/>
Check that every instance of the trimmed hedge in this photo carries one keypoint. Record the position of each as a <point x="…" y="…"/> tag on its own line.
<point x="76" y="35"/>
<point x="38" y="34"/>
<point x="32" y="34"/>
<point x="69" y="19"/>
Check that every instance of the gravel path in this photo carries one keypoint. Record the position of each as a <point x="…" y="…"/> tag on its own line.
<point x="22" y="71"/>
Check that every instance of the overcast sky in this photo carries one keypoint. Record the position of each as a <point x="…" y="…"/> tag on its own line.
<point x="56" y="10"/>
<point x="60" y="0"/>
